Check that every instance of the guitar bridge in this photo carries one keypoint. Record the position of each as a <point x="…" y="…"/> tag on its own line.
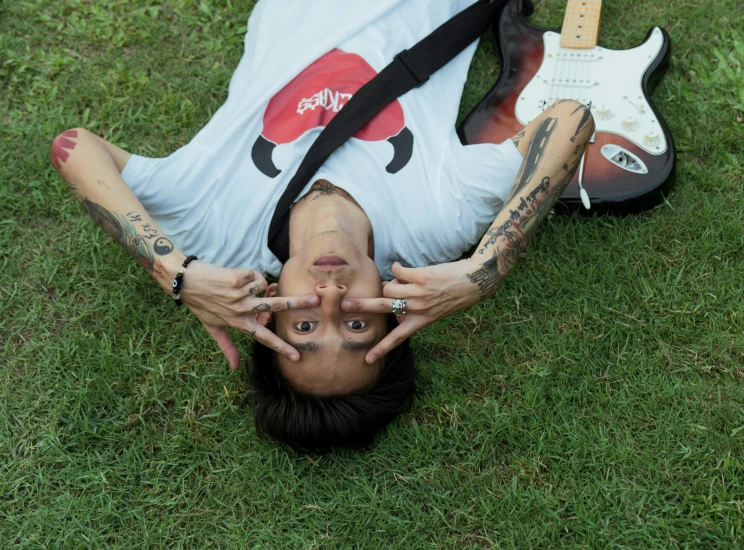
<point x="623" y="158"/>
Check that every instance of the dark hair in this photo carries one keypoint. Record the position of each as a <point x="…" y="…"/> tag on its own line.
<point x="315" y="423"/>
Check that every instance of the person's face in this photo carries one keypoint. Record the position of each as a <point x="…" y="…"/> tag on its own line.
<point x="332" y="343"/>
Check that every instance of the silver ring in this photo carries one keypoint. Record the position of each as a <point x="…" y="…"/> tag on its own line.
<point x="399" y="307"/>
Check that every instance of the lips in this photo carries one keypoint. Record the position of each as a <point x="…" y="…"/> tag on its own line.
<point x="330" y="260"/>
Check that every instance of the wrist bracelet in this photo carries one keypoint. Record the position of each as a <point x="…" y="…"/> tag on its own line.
<point x="178" y="281"/>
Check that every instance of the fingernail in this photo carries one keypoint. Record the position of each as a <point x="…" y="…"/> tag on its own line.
<point x="314" y="301"/>
<point x="371" y="358"/>
<point x="294" y="356"/>
<point x="346" y="303"/>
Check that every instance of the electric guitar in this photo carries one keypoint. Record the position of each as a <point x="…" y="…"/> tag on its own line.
<point x="629" y="165"/>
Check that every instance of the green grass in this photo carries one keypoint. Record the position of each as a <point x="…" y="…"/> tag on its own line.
<point x="596" y="401"/>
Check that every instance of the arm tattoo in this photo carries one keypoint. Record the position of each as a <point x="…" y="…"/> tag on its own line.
<point x="124" y="232"/>
<point x="528" y="205"/>
<point x="586" y="119"/>
<point x="535" y="151"/>
<point x="62" y="144"/>
<point x="518" y="137"/>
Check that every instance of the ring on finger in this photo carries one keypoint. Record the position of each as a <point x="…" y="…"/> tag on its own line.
<point x="399" y="307"/>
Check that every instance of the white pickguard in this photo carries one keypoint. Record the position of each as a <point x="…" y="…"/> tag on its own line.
<point x="609" y="80"/>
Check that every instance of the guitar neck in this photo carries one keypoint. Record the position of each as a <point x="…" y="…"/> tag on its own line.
<point x="581" y="24"/>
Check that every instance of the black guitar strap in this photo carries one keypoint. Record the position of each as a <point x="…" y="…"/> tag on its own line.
<point x="409" y="69"/>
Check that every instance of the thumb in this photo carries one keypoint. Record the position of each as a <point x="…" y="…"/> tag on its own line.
<point x="229" y="350"/>
<point x="403" y="274"/>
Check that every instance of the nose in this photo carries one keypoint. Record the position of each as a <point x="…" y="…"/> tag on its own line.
<point x="331" y="295"/>
<point x="331" y="290"/>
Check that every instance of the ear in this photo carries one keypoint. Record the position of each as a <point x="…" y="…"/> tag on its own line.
<point x="265" y="316"/>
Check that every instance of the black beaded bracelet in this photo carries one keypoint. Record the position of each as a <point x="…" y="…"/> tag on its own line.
<point x="178" y="281"/>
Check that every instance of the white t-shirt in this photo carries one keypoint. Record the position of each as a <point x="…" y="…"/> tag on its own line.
<point x="428" y="197"/>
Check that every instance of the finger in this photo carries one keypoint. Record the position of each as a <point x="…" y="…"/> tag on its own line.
<point x="397" y="290"/>
<point x="263" y="318"/>
<point x="229" y="350"/>
<point x="271" y="340"/>
<point x="283" y="303"/>
<point x="404" y="274"/>
<point x="255" y="283"/>
<point x="247" y="276"/>
<point x="368" y="305"/>
<point x="394" y="338"/>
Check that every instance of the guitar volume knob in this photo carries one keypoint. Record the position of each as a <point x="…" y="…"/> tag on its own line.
<point x="604" y="112"/>
<point x="652" y="138"/>
<point x="630" y="123"/>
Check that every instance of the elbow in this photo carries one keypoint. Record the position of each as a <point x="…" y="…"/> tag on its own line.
<point x="64" y="145"/>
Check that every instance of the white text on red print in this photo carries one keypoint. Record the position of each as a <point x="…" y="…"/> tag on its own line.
<point x="328" y="99"/>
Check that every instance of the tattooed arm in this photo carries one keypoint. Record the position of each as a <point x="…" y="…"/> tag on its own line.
<point x="218" y="296"/>
<point x="92" y="169"/>
<point x="552" y="146"/>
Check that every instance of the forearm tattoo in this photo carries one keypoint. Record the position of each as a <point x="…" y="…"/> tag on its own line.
<point x="528" y="205"/>
<point x="137" y="237"/>
<point x="140" y="239"/>
<point x="586" y="119"/>
<point x="535" y="152"/>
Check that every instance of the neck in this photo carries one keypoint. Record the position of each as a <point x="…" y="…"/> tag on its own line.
<point x="327" y="208"/>
<point x="581" y="24"/>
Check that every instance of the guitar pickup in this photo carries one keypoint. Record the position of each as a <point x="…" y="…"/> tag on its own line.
<point x="623" y="158"/>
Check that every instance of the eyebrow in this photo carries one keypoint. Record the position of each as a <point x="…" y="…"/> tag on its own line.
<point x="348" y="345"/>
<point x="359" y="345"/>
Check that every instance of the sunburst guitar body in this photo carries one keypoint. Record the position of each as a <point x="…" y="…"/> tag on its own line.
<point x="629" y="165"/>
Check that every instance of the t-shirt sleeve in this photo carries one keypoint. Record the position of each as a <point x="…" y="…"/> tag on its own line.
<point x="176" y="191"/>
<point x="484" y="173"/>
<point x="137" y="174"/>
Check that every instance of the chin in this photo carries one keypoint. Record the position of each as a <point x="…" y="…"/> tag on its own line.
<point x="332" y="243"/>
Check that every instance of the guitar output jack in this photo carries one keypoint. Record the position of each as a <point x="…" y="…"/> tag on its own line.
<point x="623" y="159"/>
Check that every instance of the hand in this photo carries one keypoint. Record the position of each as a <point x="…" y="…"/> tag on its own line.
<point x="222" y="297"/>
<point x="431" y="293"/>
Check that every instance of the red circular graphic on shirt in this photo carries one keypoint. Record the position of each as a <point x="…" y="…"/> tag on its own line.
<point x="314" y="97"/>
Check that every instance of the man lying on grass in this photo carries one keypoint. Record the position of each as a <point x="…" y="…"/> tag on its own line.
<point x="331" y="363"/>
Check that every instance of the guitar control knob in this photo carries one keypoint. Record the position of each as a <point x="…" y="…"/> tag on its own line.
<point x="604" y="112"/>
<point x="630" y="123"/>
<point x="652" y="138"/>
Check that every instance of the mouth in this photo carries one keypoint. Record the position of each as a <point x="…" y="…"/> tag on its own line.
<point x="330" y="261"/>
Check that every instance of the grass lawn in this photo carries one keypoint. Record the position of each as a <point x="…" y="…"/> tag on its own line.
<point x="596" y="401"/>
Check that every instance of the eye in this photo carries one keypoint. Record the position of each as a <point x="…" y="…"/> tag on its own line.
<point x="356" y="325"/>
<point x="305" y="327"/>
